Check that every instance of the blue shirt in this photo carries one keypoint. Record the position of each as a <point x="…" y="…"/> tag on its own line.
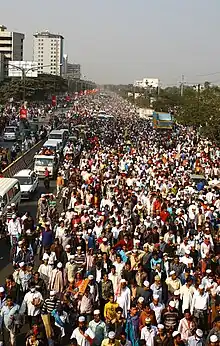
<point x="47" y="238"/>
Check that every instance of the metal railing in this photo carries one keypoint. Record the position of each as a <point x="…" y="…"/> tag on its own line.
<point x="22" y="162"/>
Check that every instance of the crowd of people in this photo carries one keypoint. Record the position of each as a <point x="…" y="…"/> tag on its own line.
<point x="128" y="243"/>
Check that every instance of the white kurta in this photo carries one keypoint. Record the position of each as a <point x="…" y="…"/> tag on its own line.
<point x="81" y="340"/>
<point x="124" y="300"/>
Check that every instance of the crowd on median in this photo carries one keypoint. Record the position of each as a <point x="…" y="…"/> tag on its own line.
<point x="128" y="244"/>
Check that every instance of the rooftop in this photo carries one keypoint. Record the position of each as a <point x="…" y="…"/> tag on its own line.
<point x="48" y="34"/>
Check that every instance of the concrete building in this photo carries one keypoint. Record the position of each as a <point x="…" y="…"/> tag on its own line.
<point x="48" y="52"/>
<point x="147" y="82"/>
<point x="2" y="67"/>
<point x="72" y="71"/>
<point x="11" y="44"/>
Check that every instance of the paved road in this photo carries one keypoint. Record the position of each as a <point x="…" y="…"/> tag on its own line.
<point x="26" y="205"/>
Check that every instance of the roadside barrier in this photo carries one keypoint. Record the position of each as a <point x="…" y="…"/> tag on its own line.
<point x="22" y="162"/>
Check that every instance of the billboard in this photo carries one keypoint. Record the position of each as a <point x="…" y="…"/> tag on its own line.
<point x="29" y="67"/>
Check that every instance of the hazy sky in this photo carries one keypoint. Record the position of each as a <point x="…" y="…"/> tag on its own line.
<point x="118" y="41"/>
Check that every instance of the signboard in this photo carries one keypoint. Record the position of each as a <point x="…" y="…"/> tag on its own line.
<point x="15" y="68"/>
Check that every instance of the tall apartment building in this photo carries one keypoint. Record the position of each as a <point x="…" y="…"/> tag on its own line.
<point x="11" y="48"/>
<point x="48" y="52"/>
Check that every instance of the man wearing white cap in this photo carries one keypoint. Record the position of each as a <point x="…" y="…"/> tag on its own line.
<point x="148" y="332"/>
<point x="124" y="297"/>
<point x="99" y="328"/>
<point x="173" y="282"/>
<point x="110" y="340"/>
<point x="157" y="307"/>
<point x="213" y="340"/>
<point x="45" y="269"/>
<point x="200" y="307"/>
<point x="71" y="268"/>
<point x="196" y="339"/>
<point x="58" y="279"/>
<point x="14" y="228"/>
<point x="84" y="336"/>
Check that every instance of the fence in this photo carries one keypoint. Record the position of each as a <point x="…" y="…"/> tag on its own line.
<point x="22" y="162"/>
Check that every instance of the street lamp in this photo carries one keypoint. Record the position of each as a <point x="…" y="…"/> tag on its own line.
<point x="24" y="72"/>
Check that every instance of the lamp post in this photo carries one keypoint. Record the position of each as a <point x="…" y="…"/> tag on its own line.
<point x="24" y="72"/>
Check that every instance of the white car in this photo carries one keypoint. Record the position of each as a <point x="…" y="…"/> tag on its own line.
<point x="28" y="180"/>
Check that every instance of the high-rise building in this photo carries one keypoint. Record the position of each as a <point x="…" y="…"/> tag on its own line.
<point x="48" y="52"/>
<point x="11" y="44"/>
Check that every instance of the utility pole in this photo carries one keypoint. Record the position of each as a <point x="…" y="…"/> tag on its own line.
<point x="182" y="85"/>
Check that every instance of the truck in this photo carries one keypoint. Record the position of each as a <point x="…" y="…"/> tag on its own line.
<point x="162" y="121"/>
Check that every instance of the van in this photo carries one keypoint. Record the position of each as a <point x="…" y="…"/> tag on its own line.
<point x="11" y="133"/>
<point x="28" y="180"/>
<point x="51" y="162"/>
<point x="53" y="144"/>
<point x="61" y="135"/>
<point x="10" y="192"/>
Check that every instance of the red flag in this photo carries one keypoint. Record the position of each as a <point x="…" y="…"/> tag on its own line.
<point x="54" y="100"/>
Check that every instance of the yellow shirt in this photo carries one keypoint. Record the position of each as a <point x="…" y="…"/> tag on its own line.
<point x="109" y="310"/>
<point x="106" y="342"/>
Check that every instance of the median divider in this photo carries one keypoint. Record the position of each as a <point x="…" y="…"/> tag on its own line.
<point x="22" y="162"/>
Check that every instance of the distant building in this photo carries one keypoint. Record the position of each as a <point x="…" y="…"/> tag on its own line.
<point x="2" y="67"/>
<point x="48" y="52"/>
<point x="147" y="82"/>
<point x="72" y="71"/>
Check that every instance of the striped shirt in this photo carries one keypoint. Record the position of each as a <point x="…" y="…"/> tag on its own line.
<point x="49" y="305"/>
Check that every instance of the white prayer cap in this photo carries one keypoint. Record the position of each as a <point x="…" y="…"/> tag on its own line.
<point x="22" y="264"/>
<point x="90" y="277"/>
<point x="160" y="326"/>
<point x="146" y="283"/>
<point x="187" y="252"/>
<point x="177" y="293"/>
<point x="201" y="287"/>
<point x="213" y="338"/>
<point x="172" y="272"/>
<point x="140" y="300"/>
<point x="2" y="289"/>
<point x="67" y="246"/>
<point x="81" y="319"/>
<point x="45" y="256"/>
<point x="59" y="265"/>
<point x="175" y="333"/>
<point x="111" y="335"/>
<point x="78" y="248"/>
<point x="172" y="304"/>
<point x="199" y="333"/>
<point x="96" y="312"/>
<point x="52" y="293"/>
<point x="123" y="281"/>
<point x="208" y="271"/>
<point x="105" y="239"/>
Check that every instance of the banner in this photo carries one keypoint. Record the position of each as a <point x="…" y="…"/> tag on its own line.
<point x="23" y="113"/>
<point x="54" y="101"/>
